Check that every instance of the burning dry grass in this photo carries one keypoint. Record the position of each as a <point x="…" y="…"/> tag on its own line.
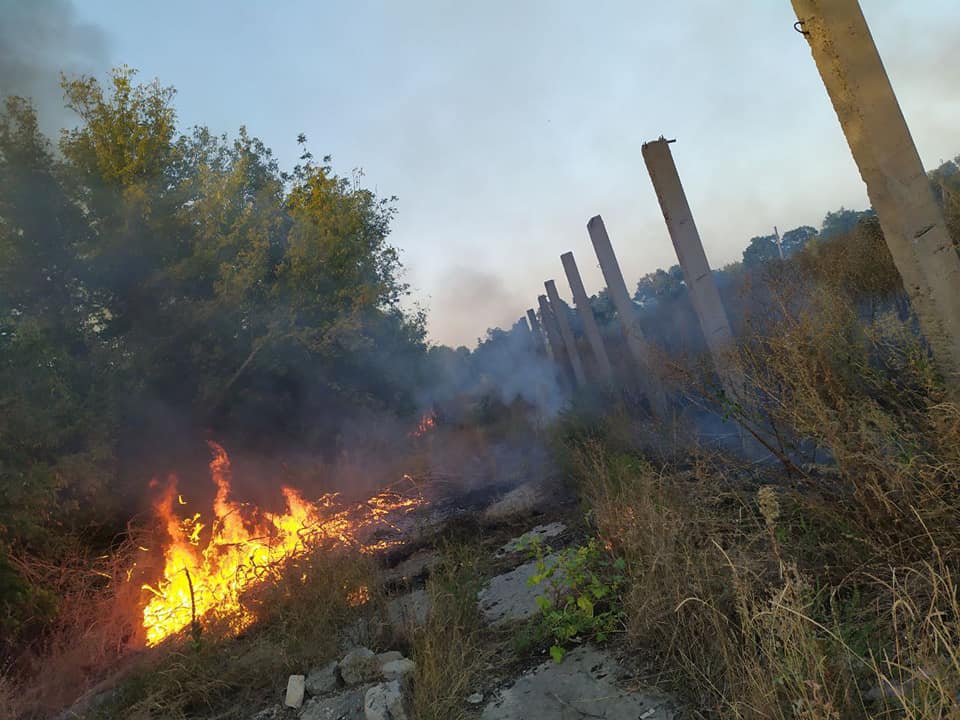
<point x="97" y="618"/>
<point x="286" y="583"/>
<point x="300" y="618"/>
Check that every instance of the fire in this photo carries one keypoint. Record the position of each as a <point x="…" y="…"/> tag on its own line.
<point x="207" y="566"/>
<point x="427" y="423"/>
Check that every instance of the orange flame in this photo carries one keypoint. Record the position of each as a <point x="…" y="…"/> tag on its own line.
<point x="427" y="423"/>
<point x="206" y="579"/>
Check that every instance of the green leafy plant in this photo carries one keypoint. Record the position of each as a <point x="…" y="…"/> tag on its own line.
<point x="582" y="598"/>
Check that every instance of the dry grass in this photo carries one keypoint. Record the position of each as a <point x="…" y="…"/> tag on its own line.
<point x="96" y="619"/>
<point x="300" y="618"/>
<point x="829" y="588"/>
<point x="449" y="649"/>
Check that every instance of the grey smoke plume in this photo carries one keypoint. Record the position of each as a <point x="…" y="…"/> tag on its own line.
<point x="39" y="39"/>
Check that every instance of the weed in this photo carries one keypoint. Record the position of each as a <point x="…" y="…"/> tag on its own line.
<point x="583" y="595"/>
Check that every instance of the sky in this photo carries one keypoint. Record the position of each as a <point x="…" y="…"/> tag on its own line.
<point x="502" y="126"/>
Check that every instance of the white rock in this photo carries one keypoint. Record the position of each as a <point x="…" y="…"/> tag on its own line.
<point x="398" y="669"/>
<point x="347" y="705"/>
<point x="359" y="665"/>
<point x="385" y="702"/>
<point x="475" y="698"/>
<point x="323" y="679"/>
<point x="295" y="689"/>
<point x="389" y="656"/>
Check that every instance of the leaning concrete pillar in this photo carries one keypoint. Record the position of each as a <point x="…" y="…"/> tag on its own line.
<point x="535" y="331"/>
<point x="890" y="165"/>
<point x="590" y="328"/>
<point x="557" y="350"/>
<point x="627" y="312"/>
<point x="693" y="260"/>
<point x="566" y="332"/>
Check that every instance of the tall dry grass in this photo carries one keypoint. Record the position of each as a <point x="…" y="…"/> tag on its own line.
<point x="449" y="649"/>
<point x="827" y="588"/>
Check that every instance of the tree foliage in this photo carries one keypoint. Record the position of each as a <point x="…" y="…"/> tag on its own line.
<point x="142" y="267"/>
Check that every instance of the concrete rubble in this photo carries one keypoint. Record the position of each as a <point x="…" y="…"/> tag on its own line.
<point x="295" y="691"/>
<point x="324" y="679"/>
<point x="359" y="665"/>
<point x="347" y="705"/>
<point x="385" y="701"/>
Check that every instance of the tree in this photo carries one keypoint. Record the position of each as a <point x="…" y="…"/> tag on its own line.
<point x="841" y="222"/>
<point x="660" y="285"/>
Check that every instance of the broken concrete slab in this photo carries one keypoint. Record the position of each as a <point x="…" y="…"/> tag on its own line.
<point x="347" y="705"/>
<point x="409" y="610"/>
<point x="510" y="597"/>
<point x="536" y="535"/>
<point x="295" y="690"/>
<point x="588" y="683"/>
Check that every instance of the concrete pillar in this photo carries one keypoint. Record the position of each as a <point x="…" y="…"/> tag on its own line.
<point x="586" y="317"/>
<point x="566" y="332"/>
<point x="627" y="313"/>
<point x="536" y="332"/>
<point x="693" y="260"/>
<point x="890" y="165"/>
<point x="557" y="350"/>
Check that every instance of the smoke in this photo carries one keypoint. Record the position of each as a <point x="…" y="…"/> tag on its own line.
<point x="39" y="39"/>
<point x="468" y="294"/>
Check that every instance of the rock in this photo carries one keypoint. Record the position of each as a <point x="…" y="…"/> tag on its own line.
<point x="522" y="500"/>
<point x="323" y="680"/>
<point x="509" y="597"/>
<point x="359" y="665"/>
<point x="409" y="610"/>
<point x="475" y="698"/>
<point x="398" y="669"/>
<point x="385" y="702"/>
<point x="295" y="689"/>
<point x="585" y="684"/>
<point x="270" y="713"/>
<point x="347" y="705"/>
<point x="389" y="656"/>
<point x="537" y="534"/>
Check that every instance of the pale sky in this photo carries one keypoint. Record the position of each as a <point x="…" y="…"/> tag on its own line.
<point x="503" y="126"/>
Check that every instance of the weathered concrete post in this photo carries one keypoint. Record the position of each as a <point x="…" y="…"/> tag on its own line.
<point x="566" y="332"/>
<point x="693" y="260"/>
<point x="890" y="165"/>
<point x="557" y="350"/>
<point x="627" y="312"/>
<point x="535" y="331"/>
<point x="586" y="317"/>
